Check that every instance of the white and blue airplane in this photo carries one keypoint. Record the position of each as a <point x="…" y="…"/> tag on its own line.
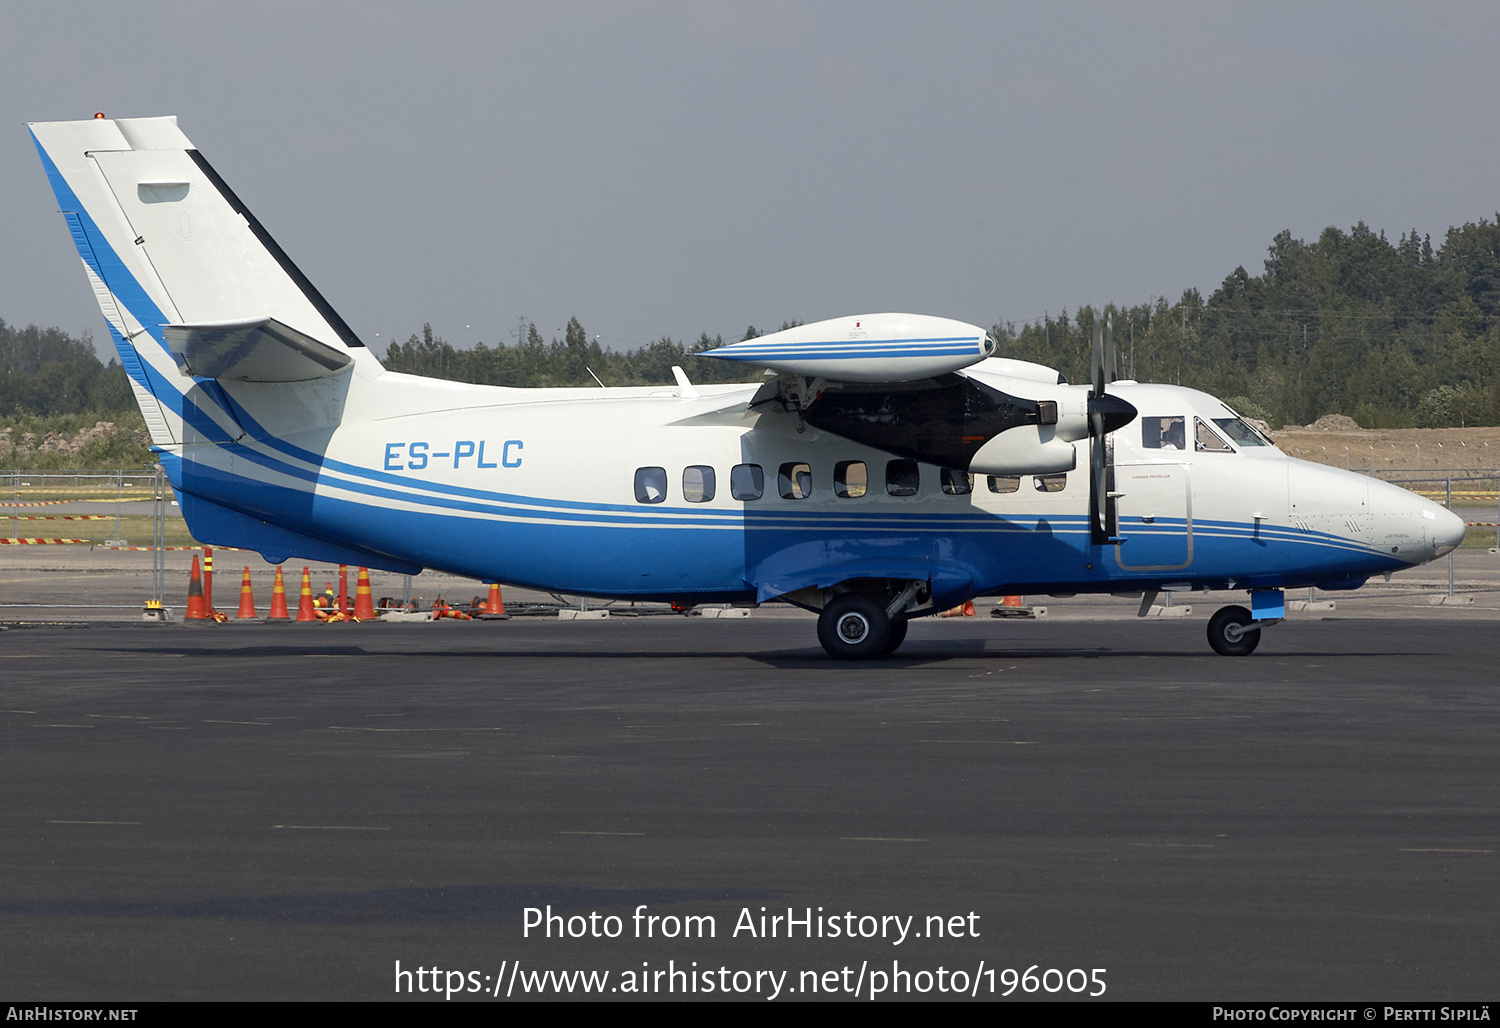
<point x="886" y="467"/>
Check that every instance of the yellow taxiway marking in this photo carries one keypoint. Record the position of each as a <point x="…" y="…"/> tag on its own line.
<point x="878" y="838"/>
<point x="213" y="721"/>
<point x="1174" y="845"/>
<point x="335" y="828"/>
<point x="601" y="833"/>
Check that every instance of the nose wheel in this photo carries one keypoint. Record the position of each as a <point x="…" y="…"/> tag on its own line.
<point x="854" y="627"/>
<point x="1230" y="634"/>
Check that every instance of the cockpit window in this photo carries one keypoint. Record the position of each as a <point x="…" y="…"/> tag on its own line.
<point x="1206" y="440"/>
<point x="1164" y="433"/>
<point x="1241" y="432"/>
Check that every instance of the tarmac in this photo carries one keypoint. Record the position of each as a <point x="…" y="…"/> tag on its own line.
<point x="263" y="811"/>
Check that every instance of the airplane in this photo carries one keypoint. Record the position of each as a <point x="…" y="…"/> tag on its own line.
<point x="885" y="467"/>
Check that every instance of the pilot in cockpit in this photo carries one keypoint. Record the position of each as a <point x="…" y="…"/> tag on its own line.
<point x="1173" y="434"/>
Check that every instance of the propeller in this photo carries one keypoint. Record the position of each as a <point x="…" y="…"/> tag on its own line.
<point x="1106" y="414"/>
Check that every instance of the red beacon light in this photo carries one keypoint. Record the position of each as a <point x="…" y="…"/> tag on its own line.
<point x="98" y="114"/>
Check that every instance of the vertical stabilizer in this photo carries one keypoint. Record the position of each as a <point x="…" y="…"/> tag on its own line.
<point x="165" y="243"/>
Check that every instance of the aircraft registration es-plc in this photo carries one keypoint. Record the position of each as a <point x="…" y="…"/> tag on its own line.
<point x="887" y="466"/>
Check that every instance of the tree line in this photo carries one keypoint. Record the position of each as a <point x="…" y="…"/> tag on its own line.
<point x="567" y="361"/>
<point x="1393" y="335"/>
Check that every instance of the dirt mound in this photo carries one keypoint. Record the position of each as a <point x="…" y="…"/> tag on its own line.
<point x="1334" y="423"/>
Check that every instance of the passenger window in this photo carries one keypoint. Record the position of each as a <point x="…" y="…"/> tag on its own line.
<point x="794" y="481"/>
<point x="851" y="479"/>
<point x="747" y="482"/>
<point x="698" y="484"/>
<point x="650" y="485"/>
<point x="1206" y="439"/>
<point x="1004" y="483"/>
<point x="1050" y="483"/>
<point x="1163" y="433"/>
<point x="901" y="477"/>
<point x="957" y="483"/>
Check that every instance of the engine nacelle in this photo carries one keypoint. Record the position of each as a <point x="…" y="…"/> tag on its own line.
<point x="866" y="348"/>
<point x="1028" y="450"/>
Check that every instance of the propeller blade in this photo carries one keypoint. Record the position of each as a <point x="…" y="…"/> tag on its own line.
<point x="1109" y="350"/>
<point x="1096" y="361"/>
<point x="1098" y="481"/>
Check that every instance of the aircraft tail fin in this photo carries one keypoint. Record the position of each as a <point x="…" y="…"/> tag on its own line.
<point x="191" y="284"/>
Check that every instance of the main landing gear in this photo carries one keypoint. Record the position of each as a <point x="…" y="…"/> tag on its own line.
<point x="855" y="626"/>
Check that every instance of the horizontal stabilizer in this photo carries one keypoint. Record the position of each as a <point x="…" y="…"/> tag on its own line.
<point x="260" y="350"/>
<point x="866" y="348"/>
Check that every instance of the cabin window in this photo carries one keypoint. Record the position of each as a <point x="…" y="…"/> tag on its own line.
<point x="1164" y="433"/>
<point x="794" y="481"/>
<point x="747" y="482"/>
<point x="902" y="477"/>
<point x="1207" y="440"/>
<point x="650" y="485"/>
<point x="1004" y="483"/>
<point x="957" y="483"/>
<point x="1050" y="483"/>
<point x="851" y="479"/>
<point x="698" y="484"/>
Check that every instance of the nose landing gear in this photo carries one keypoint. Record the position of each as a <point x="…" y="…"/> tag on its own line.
<point x="1230" y="632"/>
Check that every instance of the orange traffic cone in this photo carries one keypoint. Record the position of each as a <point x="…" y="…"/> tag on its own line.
<point x="247" y="600"/>
<point x="278" y="599"/>
<point x="963" y="610"/>
<point x="1012" y="601"/>
<point x="495" y="604"/>
<point x="208" y="581"/>
<point x="364" y="605"/>
<point x="305" y="611"/>
<point x="196" y="608"/>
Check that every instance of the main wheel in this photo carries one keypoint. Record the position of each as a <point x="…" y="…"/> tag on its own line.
<point x="853" y="628"/>
<point x="1229" y="632"/>
<point x="897" y="635"/>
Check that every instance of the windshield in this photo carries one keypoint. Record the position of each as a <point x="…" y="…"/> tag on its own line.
<point x="1241" y="432"/>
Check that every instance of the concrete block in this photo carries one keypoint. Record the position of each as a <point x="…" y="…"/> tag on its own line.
<point x="572" y="614"/>
<point x="1158" y="611"/>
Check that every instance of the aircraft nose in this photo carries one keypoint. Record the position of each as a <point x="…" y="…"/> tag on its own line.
<point x="1448" y="533"/>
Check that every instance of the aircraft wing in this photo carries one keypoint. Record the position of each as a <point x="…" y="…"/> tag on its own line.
<point x="931" y="390"/>
<point x="866" y="348"/>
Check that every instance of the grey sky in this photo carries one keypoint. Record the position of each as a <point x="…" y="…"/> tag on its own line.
<point x="666" y="169"/>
